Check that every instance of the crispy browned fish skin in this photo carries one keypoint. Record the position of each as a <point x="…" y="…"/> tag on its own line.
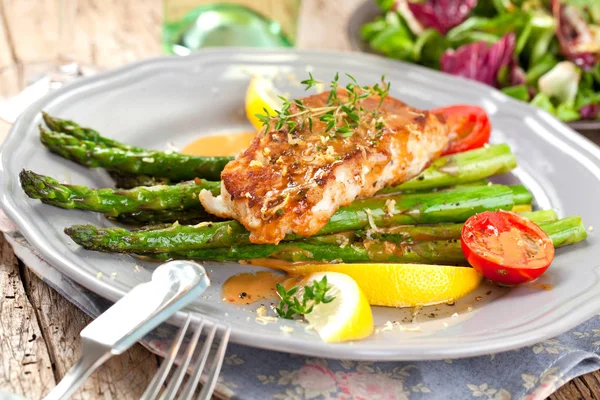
<point x="293" y="182"/>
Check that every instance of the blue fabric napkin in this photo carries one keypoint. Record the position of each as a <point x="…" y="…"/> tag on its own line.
<point x="529" y="373"/>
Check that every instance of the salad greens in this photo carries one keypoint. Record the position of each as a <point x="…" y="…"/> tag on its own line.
<point x="546" y="52"/>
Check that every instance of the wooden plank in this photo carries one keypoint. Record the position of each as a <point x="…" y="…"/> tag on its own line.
<point x="591" y="382"/>
<point x="111" y="33"/>
<point x="25" y="366"/>
<point x="9" y="86"/>
<point x="104" y="33"/>
<point x="33" y="27"/>
<point x="575" y="390"/>
<point x="122" y="377"/>
<point x="324" y="24"/>
<point x="6" y="56"/>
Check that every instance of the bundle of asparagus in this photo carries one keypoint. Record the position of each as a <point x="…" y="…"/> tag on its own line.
<point x="417" y="221"/>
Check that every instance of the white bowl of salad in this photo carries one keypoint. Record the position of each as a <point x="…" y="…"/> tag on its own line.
<point x="545" y="52"/>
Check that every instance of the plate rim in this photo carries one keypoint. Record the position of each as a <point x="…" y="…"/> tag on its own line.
<point x="106" y="290"/>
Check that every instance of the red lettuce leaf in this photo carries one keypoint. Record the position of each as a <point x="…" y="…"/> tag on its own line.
<point x="516" y="74"/>
<point x="576" y="39"/>
<point x="482" y="62"/>
<point x="590" y="111"/>
<point x="442" y="15"/>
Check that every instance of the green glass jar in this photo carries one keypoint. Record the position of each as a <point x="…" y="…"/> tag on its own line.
<point x="194" y="24"/>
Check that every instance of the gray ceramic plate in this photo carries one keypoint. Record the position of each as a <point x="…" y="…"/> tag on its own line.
<point x="177" y="99"/>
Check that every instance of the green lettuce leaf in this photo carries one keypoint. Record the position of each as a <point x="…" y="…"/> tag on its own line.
<point x="541" y="100"/>
<point x="487" y="29"/>
<point x="385" y="5"/>
<point x="519" y="92"/>
<point x="567" y="113"/>
<point x="429" y="47"/>
<point x="390" y="36"/>
<point x="543" y="65"/>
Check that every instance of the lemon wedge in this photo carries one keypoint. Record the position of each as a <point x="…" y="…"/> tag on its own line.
<point x="402" y="285"/>
<point x="347" y="317"/>
<point x="261" y="95"/>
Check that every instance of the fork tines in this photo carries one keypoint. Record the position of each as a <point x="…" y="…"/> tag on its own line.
<point x="188" y="354"/>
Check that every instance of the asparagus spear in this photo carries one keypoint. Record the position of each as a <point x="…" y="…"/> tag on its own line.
<point x="423" y="208"/>
<point x="562" y="232"/>
<point x="160" y="197"/>
<point x="402" y="233"/>
<point x="72" y="128"/>
<point x="416" y="233"/>
<point x="128" y="181"/>
<point x="228" y="233"/>
<point x="427" y="208"/>
<point x="122" y="181"/>
<point x="521" y="195"/>
<point x="458" y="168"/>
<point x="445" y="252"/>
<point x="113" y="202"/>
<point x="565" y="231"/>
<point x="184" y="217"/>
<point x="192" y="216"/>
<point x="171" y="165"/>
<point x="480" y="182"/>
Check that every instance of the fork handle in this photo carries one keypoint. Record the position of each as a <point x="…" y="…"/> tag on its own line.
<point x="173" y="285"/>
<point x="77" y="375"/>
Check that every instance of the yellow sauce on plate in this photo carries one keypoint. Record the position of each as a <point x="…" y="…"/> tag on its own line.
<point x="225" y="144"/>
<point x="248" y="287"/>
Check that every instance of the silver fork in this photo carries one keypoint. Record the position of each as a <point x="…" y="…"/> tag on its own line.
<point x="175" y="383"/>
<point x="173" y="286"/>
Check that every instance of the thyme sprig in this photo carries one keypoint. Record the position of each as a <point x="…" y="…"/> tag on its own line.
<point x="341" y="115"/>
<point x="290" y="305"/>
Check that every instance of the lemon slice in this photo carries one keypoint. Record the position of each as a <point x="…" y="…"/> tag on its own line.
<point x="261" y="95"/>
<point x="347" y="317"/>
<point x="402" y="285"/>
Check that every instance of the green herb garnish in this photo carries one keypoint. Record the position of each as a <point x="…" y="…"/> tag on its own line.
<point x="340" y="115"/>
<point x="314" y="294"/>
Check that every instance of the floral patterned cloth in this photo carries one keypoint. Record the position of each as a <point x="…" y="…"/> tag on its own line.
<point x="530" y="373"/>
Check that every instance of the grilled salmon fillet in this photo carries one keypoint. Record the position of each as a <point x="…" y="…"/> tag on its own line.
<point x="294" y="181"/>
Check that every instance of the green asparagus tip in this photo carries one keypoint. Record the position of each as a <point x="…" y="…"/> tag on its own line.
<point x="48" y="120"/>
<point x="28" y="184"/>
<point x="43" y="133"/>
<point x="39" y="186"/>
<point x="55" y="124"/>
<point x="91" y="237"/>
<point x="84" y="235"/>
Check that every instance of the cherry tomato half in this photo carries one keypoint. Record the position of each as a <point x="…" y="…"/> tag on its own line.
<point x="506" y="247"/>
<point x="470" y="127"/>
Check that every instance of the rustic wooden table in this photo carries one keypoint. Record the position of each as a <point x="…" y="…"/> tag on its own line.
<point x="39" y="330"/>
